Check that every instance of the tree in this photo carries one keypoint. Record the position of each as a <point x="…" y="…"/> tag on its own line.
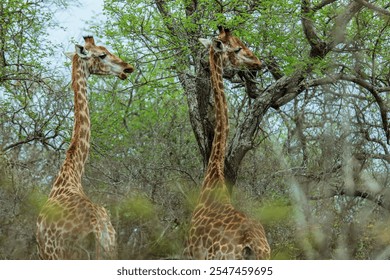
<point x="322" y="80"/>
<point x="300" y="58"/>
<point x="308" y="144"/>
<point x="28" y="86"/>
<point x="31" y="120"/>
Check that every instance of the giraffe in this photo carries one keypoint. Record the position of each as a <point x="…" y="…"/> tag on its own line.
<point x="217" y="229"/>
<point x="70" y="225"/>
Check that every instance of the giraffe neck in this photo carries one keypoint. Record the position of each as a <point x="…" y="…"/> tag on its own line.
<point x="78" y="150"/>
<point x="214" y="187"/>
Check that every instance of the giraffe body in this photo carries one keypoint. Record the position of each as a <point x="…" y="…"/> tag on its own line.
<point x="217" y="229"/>
<point x="70" y="225"/>
<point x="221" y="232"/>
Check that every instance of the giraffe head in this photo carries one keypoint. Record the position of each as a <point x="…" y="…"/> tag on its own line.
<point x="235" y="54"/>
<point x="100" y="61"/>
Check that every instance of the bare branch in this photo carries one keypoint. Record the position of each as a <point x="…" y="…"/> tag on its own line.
<point x="377" y="199"/>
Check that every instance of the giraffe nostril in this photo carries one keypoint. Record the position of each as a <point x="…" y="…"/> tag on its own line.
<point x="128" y="70"/>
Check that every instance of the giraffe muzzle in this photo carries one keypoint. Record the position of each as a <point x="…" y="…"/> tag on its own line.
<point x="125" y="73"/>
<point x="128" y="70"/>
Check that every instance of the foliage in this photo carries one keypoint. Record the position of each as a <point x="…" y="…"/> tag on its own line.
<point x="308" y="156"/>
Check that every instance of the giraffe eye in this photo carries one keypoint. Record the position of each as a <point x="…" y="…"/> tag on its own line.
<point x="237" y="50"/>
<point x="218" y="45"/>
<point x="103" y="56"/>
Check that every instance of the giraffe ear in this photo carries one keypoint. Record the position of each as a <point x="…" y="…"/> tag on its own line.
<point x="69" y="55"/>
<point x="206" y="42"/>
<point x="81" y="51"/>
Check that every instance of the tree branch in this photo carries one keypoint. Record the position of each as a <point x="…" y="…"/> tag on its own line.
<point x="273" y="67"/>
<point x="287" y="87"/>
<point x="374" y="8"/>
<point x="318" y="47"/>
<point x="377" y="199"/>
<point x="364" y="84"/>
<point x="323" y="3"/>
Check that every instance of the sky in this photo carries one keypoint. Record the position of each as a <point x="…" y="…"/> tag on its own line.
<point x="73" y="20"/>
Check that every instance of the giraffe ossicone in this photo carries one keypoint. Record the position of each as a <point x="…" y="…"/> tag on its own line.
<point x="217" y="229"/>
<point x="70" y="225"/>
